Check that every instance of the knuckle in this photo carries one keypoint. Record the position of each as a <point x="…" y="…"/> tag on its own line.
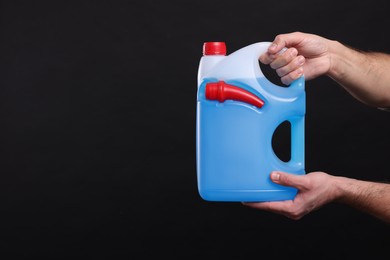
<point x="284" y="178"/>
<point x="278" y="38"/>
<point x="284" y="58"/>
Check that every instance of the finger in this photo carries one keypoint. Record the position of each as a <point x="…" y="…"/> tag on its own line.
<point x="267" y="58"/>
<point x="284" y="59"/>
<point x="285" y="40"/>
<point x="292" y="65"/>
<point x="279" y="207"/>
<point x="289" y="78"/>
<point x="288" y="179"/>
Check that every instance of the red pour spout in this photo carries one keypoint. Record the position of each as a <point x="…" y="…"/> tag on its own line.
<point x="222" y="91"/>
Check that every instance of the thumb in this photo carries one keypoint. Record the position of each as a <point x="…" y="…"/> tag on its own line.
<point x="288" y="179"/>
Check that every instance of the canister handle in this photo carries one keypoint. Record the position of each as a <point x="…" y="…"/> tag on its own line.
<point x="248" y="58"/>
<point x="297" y="160"/>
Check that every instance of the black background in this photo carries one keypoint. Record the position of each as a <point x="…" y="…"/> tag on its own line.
<point x="97" y="136"/>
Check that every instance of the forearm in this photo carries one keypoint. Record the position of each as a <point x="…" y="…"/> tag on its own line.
<point x="369" y="197"/>
<point x="365" y="75"/>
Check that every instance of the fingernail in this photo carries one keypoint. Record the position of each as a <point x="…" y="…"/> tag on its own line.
<point x="301" y="60"/>
<point x="275" y="176"/>
<point x="294" y="52"/>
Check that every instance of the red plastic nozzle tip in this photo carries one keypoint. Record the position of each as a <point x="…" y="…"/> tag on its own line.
<point x="214" y="48"/>
<point x="221" y="91"/>
<point x="216" y="91"/>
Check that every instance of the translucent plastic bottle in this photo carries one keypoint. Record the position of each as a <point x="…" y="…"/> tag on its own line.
<point x="238" y="111"/>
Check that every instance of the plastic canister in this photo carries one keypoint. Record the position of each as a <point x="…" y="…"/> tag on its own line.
<point x="238" y="111"/>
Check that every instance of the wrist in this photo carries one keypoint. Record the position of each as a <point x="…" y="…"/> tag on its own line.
<point x="336" y="53"/>
<point x="345" y="62"/>
<point x="341" y="186"/>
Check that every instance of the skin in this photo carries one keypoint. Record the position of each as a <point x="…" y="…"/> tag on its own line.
<point x="365" y="75"/>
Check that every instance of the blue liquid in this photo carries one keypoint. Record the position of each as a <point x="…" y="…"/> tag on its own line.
<point x="234" y="142"/>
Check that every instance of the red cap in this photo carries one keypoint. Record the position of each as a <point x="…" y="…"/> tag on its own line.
<point x="214" y="48"/>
